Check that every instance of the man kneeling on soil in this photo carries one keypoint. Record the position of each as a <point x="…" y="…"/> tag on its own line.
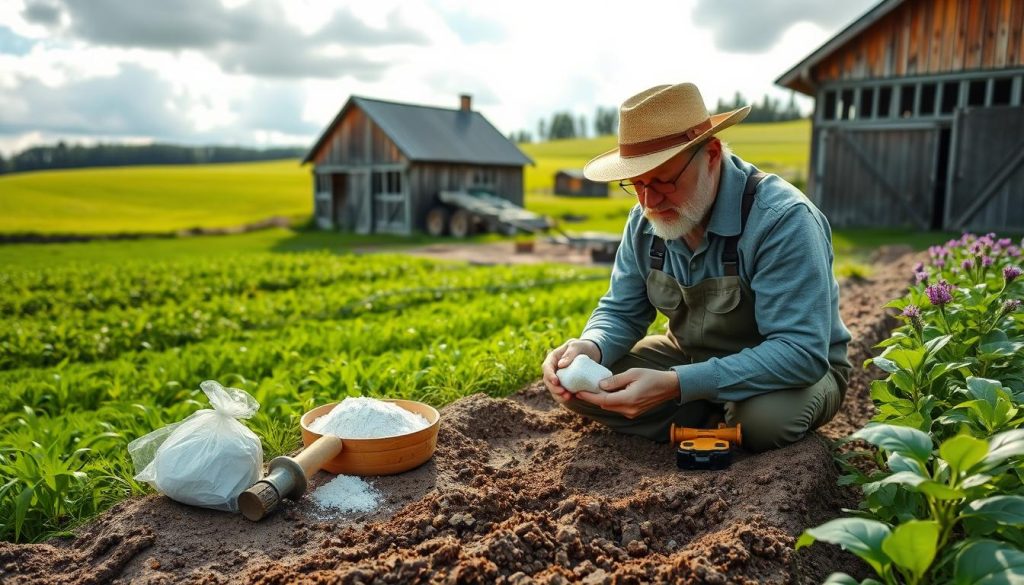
<point x="741" y="264"/>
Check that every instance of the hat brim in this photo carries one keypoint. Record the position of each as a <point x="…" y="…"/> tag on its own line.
<point x="610" y="166"/>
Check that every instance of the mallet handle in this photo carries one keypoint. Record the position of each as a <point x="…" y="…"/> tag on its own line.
<point x="320" y="451"/>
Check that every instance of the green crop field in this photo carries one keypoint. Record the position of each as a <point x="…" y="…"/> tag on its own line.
<point x="167" y="198"/>
<point x="93" y="356"/>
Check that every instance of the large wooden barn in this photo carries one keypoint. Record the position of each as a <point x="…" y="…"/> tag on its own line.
<point x="918" y="119"/>
<point x="379" y="166"/>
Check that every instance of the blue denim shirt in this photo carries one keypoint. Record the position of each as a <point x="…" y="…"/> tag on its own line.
<point x="785" y="258"/>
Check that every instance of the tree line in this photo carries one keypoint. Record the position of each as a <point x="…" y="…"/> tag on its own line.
<point x="65" y="156"/>
<point x="563" y="124"/>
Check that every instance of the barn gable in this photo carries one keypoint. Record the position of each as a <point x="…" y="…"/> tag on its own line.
<point x="918" y="119"/>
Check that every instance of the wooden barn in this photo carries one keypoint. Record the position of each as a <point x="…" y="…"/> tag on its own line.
<point x="571" y="182"/>
<point x="379" y="166"/>
<point x="918" y="118"/>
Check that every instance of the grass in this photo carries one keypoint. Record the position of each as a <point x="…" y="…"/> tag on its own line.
<point x="153" y="198"/>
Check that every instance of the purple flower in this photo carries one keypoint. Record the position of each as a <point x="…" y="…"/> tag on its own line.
<point x="1011" y="306"/>
<point x="1013" y="252"/>
<point x="913" y="314"/>
<point x="967" y="264"/>
<point x="920" y="277"/>
<point x="986" y="261"/>
<point x="939" y="293"/>
<point x="940" y="263"/>
<point x="1010" y="273"/>
<point x="919" y="267"/>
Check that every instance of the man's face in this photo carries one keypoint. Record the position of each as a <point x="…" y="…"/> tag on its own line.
<point x="677" y="212"/>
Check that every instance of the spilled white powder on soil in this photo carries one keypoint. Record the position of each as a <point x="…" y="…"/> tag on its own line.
<point x="346" y="494"/>
<point x="368" y="418"/>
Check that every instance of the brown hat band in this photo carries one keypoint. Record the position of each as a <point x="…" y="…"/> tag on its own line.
<point x="659" y="144"/>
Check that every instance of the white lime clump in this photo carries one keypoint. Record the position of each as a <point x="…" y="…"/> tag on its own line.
<point x="368" y="418"/>
<point x="583" y="375"/>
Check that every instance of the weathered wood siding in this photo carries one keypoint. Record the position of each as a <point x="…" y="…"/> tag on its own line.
<point x="357" y="141"/>
<point x="876" y="177"/>
<point x="427" y="179"/>
<point x="924" y="37"/>
<point x="987" y="183"/>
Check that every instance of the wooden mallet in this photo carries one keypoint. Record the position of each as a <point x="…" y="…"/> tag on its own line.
<point x="287" y="477"/>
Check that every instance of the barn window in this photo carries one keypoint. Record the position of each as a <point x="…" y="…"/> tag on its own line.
<point x="484" y="177"/>
<point x="927" y="99"/>
<point x="885" y="101"/>
<point x="323" y="183"/>
<point x="906" y="106"/>
<point x="867" y="106"/>
<point x="830" y="105"/>
<point x="848" y="112"/>
<point x="976" y="93"/>
<point x="1001" y="91"/>
<point x="950" y="96"/>
<point x="389" y="182"/>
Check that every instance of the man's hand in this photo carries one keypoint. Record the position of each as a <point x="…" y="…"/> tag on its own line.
<point x="561" y="357"/>
<point x="634" y="391"/>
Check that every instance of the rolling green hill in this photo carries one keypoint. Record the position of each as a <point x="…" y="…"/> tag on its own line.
<point x="166" y="198"/>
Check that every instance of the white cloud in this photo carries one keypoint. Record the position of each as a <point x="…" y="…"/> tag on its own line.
<point x="522" y="61"/>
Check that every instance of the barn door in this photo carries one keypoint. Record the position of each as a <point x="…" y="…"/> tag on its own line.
<point x="877" y="177"/>
<point x="390" y="202"/>
<point x="359" y="195"/>
<point x="986" y="189"/>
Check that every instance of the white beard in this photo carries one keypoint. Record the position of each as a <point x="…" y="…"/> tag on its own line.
<point x="689" y="214"/>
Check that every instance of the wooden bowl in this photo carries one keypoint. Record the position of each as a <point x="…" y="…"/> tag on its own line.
<point x="383" y="456"/>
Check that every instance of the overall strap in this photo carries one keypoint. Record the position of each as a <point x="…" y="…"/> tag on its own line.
<point x="657" y="253"/>
<point x="730" y="258"/>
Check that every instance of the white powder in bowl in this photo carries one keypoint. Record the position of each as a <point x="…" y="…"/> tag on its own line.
<point x="368" y="418"/>
<point x="346" y="494"/>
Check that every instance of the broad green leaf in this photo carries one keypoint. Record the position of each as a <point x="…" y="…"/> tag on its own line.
<point x="988" y="562"/>
<point x="939" y="491"/>
<point x="880" y="391"/>
<point x="975" y="480"/>
<point x="1007" y="510"/>
<point x="934" y="345"/>
<point x="899" y="462"/>
<point x="844" y="579"/>
<point x="912" y="545"/>
<point x="1005" y="445"/>
<point x="962" y="452"/>
<point x="892" y="438"/>
<point x="860" y="536"/>
<point x="904" y="381"/>
<point x="21" y="504"/>
<point x="983" y="388"/>
<point x="941" y="369"/>
<point x="906" y="359"/>
<point x="885" y="365"/>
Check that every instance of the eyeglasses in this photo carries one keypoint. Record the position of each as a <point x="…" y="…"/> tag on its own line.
<point x="663" y="187"/>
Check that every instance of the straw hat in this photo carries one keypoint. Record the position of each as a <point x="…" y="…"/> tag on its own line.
<point x="654" y="126"/>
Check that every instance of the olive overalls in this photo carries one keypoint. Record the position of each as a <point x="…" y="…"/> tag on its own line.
<point x="715" y="318"/>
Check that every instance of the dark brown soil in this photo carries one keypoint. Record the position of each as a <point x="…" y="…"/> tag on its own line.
<point x="519" y="491"/>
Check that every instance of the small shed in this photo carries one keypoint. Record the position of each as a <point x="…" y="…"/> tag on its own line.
<point x="918" y="118"/>
<point x="571" y="182"/>
<point x="379" y="166"/>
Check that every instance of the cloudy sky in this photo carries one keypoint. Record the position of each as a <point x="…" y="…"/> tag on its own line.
<point x="275" y="72"/>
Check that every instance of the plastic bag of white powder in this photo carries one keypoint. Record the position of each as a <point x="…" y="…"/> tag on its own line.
<point x="208" y="458"/>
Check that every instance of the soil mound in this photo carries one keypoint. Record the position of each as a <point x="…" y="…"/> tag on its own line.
<point x="519" y="491"/>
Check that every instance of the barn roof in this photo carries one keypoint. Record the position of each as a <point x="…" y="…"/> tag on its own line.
<point x="427" y="133"/>
<point x="799" y="77"/>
